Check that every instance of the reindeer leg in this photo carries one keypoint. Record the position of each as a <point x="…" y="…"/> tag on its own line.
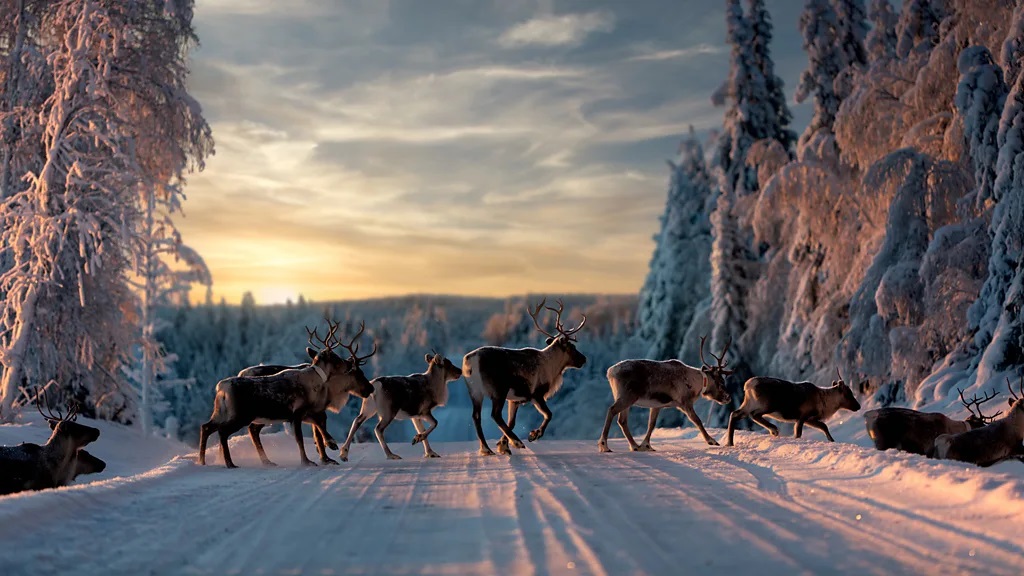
<point x="382" y="425"/>
<point x="819" y="425"/>
<point x="623" y="421"/>
<point x="541" y="407"/>
<point x="496" y="405"/>
<point x="513" y="409"/>
<point x="771" y="428"/>
<point x="620" y="404"/>
<point x="224" y="431"/>
<point x="254" y="434"/>
<point x="692" y="415"/>
<point x="417" y="423"/>
<point x="737" y="414"/>
<point x="798" y="430"/>
<point x="204" y="434"/>
<point x="485" y="450"/>
<point x="367" y="409"/>
<point x="652" y="421"/>
<point x="422" y="436"/>
<point x="321" y="437"/>
<point x="297" y="428"/>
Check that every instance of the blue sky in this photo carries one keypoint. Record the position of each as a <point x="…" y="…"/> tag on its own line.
<point x="373" y="147"/>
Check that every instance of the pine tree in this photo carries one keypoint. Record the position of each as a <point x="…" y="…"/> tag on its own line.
<point x="881" y="38"/>
<point x="748" y="111"/>
<point x="851" y="30"/>
<point x="777" y="126"/>
<point x="819" y="27"/>
<point x="980" y="97"/>
<point x="679" y="275"/>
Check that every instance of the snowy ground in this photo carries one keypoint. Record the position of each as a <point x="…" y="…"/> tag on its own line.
<point x="774" y="506"/>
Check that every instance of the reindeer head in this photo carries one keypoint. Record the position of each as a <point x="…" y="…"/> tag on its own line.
<point x="64" y="426"/>
<point x="344" y="375"/>
<point x="849" y="401"/>
<point x="1016" y="402"/>
<point x="977" y="419"/>
<point x="565" y="340"/>
<point x="436" y="361"/>
<point x="714" y="376"/>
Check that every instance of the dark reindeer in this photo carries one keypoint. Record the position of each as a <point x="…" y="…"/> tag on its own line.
<point x="1000" y="440"/>
<point x="915" y="432"/>
<point x="318" y="420"/>
<point x="291" y="395"/>
<point x="800" y="402"/>
<point x="660" y="384"/>
<point x="34" y="467"/>
<point x="86" y="463"/>
<point x="411" y="397"/>
<point x="520" y="375"/>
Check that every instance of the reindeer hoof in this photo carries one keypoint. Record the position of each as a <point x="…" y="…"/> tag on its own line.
<point x="343" y="458"/>
<point x="645" y="448"/>
<point x="518" y="444"/>
<point x="269" y="464"/>
<point x="775" y="432"/>
<point x="431" y="455"/>
<point x="332" y="445"/>
<point x="394" y="457"/>
<point x="535" y="435"/>
<point x="712" y="442"/>
<point x="603" y="448"/>
<point x="486" y="452"/>
<point x="309" y="463"/>
<point x="503" y="449"/>
<point x="417" y="439"/>
<point x="330" y="461"/>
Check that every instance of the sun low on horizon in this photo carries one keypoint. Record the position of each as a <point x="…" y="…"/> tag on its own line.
<point x="368" y="149"/>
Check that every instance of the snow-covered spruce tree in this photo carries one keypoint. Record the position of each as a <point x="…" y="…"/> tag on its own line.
<point x="761" y="38"/>
<point x="679" y="275"/>
<point x="980" y="97"/>
<point x="117" y="118"/>
<point x="825" y="61"/>
<point x="1013" y="47"/>
<point x="745" y="94"/>
<point x="880" y="42"/>
<point x="918" y="27"/>
<point x="851" y="31"/>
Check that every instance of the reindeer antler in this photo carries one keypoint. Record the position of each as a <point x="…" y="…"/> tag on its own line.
<point x="975" y="404"/>
<point x="558" y="320"/>
<point x="1010" y="388"/>
<point x="71" y="416"/>
<point x="533" y="314"/>
<point x="353" y="347"/>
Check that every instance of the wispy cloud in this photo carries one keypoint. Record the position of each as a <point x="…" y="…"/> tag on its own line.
<point x="557" y="30"/>
<point x="660" y="55"/>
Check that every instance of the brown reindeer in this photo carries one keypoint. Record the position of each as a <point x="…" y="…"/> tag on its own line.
<point x="86" y="463"/>
<point x="289" y="396"/>
<point x="660" y="384"/>
<point x="34" y="467"/>
<point x="1000" y="440"/>
<point x="520" y="375"/>
<point x="800" y="402"/>
<point x="915" y="432"/>
<point x="317" y="420"/>
<point x="410" y="397"/>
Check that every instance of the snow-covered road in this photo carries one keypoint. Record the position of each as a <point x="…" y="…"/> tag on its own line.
<point x="772" y="506"/>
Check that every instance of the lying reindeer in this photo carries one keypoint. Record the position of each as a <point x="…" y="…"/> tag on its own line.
<point x="289" y="396"/>
<point x="1000" y="440"/>
<point x="915" y="432"/>
<point x="86" y="463"/>
<point x="34" y="467"/>
<point x="520" y="375"/>
<point x="800" y="402"/>
<point x="660" y="384"/>
<point x="317" y="420"/>
<point x="407" y="398"/>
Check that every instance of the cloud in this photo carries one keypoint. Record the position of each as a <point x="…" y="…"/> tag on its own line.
<point x="560" y="30"/>
<point x="659" y="55"/>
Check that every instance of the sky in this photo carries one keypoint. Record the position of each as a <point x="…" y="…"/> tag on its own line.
<point x="371" y="148"/>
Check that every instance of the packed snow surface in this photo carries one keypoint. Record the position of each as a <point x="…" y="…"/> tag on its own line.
<point x="770" y="505"/>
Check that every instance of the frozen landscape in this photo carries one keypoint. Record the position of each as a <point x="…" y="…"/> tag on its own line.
<point x="770" y="505"/>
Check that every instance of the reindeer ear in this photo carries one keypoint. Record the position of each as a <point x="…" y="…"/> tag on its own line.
<point x="52" y="423"/>
<point x="428" y="358"/>
<point x="549" y="341"/>
<point x="310" y="352"/>
<point x="705" y="369"/>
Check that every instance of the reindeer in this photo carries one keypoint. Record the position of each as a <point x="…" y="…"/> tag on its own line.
<point x="317" y="420"/>
<point x="800" y="402"/>
<point x="520" y="375"/>
<point x="659" y="384"/>
<point x="1000" y="440"/>
<point x="34" y="467"/>
<point x="915" y="432"/>
<point x="409" y="397"/>
<point x="86" y="463"/>
<point x="291" y="395"/>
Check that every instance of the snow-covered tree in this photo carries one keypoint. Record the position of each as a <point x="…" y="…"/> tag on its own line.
<point x="1013" y="47"/>
<point x="679" y="275"/>
<point x="851" y="31"/>
<point x="819" y="28"/>
<point x="880" y="42"/>
<point x="980" y="97"/>
<point x="777" y="127"/>
<point x="116" y="118"/>
<point x="918" y="27"/>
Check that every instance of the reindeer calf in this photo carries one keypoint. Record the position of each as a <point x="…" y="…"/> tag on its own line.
<point x="34" y="467"/>
<point x="994" y="443"/>
<point x="407" y="398"/>
<point x="915" y="432"/>
<point x="800" y="402"/>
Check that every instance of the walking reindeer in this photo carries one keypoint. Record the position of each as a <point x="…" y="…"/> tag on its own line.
<point x="317" y="420"/>
<point x="291" y="395"/>
<point x="410" y="397"/>
<point x="519" y="376"/>
<point x="661" y="384"/>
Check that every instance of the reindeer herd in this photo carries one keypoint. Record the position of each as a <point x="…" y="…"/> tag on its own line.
<point x="265" y="394"/>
